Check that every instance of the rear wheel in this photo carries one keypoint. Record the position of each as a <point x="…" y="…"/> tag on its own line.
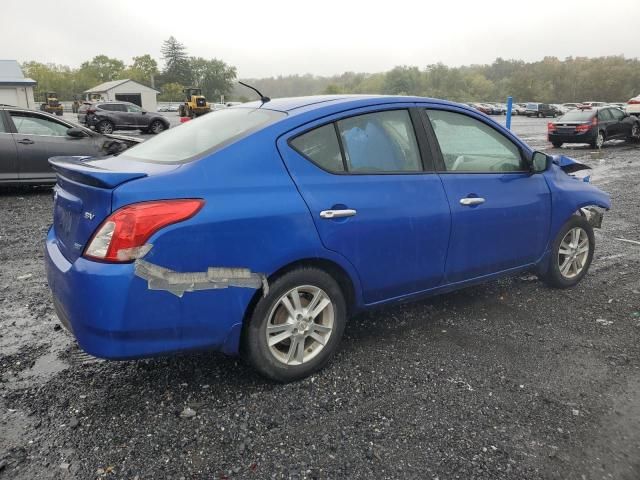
<point x="105" y="127"/>
<point x="156" y="127"/>
<point x="297" y="327"/>
<point x="598" y="142"/>
<point x="571" y="254"/>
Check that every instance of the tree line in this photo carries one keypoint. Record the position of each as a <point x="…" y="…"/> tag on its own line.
<point x="551" y="80"/>
<point x="181" y="70"/>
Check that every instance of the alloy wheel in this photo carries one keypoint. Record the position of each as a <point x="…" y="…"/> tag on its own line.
<point x="299" y="325"/>
<point x="573" y="252"/>
<point x="635" y="131"/>
<point x="157" y="127"/>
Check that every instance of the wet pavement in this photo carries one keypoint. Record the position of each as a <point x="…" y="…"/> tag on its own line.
<point x="506" y="380"/>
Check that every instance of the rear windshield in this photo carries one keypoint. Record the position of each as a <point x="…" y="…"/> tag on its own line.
<point x="215" y="129"/>
<point x="577" y="116"/>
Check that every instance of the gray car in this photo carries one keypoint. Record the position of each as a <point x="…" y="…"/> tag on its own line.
<point x="29" y="138"/>
<point x="106" y="117"/>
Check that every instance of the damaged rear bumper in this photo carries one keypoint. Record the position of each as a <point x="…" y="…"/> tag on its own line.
<point x="113" y="313"/>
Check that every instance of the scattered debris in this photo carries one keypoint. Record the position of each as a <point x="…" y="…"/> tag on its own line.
<point x="187" y="413"/>
<point x="604" y="322"/>
<point x="635" y="242"/>
<point x="24" y="277"/>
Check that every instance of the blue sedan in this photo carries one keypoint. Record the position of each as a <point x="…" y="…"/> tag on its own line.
<point x="259" y="229"/>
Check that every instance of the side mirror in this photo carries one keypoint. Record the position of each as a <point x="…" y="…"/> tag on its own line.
<point x="75" y="132"/>
<point x="540" y="162"/>
<point x="144" y="112"/>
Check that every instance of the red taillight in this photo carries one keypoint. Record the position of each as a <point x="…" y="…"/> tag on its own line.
<point x="123" y="235"/>
<point x="551" y="127"/>
<point x="634" y="101"/>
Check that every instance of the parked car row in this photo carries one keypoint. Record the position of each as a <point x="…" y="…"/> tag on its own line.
<point x="106" y="117"/>
<point x="29" y="138"/>
<point x="594" y="125"/>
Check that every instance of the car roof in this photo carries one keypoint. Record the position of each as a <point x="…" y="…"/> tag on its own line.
<point x="299" y="105"/>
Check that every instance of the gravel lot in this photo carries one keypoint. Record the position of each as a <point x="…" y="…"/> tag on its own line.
<point x="506" y="380"/>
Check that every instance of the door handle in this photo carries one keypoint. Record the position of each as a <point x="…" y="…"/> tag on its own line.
<point x="26" y="141"/>
<point x="347" y="212"/>
<point x="471" y="201"/>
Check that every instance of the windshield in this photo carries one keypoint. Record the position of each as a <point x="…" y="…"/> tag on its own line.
<point x="196" y="137"/>
<point x="577" y="116"/>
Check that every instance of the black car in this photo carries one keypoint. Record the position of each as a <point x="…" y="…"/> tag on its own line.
<point x="29" y="138"/>
<point x="593" y="126"/>
<point x="106" y="117"/>
<point x="540" y="110"/>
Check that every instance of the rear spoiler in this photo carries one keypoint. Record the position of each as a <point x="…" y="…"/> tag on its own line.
<point x="75" y="169"/>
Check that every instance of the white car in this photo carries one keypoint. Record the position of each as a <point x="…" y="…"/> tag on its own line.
<point x="570" y="106"/>
<point x="633" y="106"/>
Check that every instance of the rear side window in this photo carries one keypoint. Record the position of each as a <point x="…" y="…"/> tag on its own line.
<point x="381" y="142"/>
<point x="203" y="135"/>
<point x="605" y="115"/>
<point x="3" y="128"/>
<point x="322" y="147"/>
<point x="469" y="145"/>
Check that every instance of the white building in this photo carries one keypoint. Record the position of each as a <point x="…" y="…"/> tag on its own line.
<point x="14" y="88"/>
<point x="126" y="91"/>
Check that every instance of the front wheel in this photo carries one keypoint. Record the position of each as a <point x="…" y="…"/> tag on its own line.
<point x="297" y="327"/>
<point x="634" y="136"/>
<point x="571" y="254"/>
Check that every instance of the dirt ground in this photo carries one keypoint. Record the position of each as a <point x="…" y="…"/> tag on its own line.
<point x="506" y="380"/>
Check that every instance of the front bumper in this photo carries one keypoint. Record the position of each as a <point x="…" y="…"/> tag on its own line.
<point x="114" y="315"/>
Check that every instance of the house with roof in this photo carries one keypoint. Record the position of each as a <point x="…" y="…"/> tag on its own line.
<point x="15" y="89"/>
<point x="126" y="91"/>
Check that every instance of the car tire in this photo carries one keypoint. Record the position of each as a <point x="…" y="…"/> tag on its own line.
<point x="569" y="261"/>
<point x="635" y="133"/>
<point x="556" y="144"/>
<point x="156" y="127"/>
<point x="105" y="127"/>
<point x="298" y="350"/>
<point x="599" y="140"/>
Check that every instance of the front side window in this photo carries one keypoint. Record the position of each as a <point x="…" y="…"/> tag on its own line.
<point x="133" y="109"/>
<point x="28" y="124"/>
<point x="617" y="114"/>
<point x="202" y="135"/>
<point x="3" y="128"/>
<point x="605" y="115"/>
<point x="380" y="142"/>
<point x="469" y="145"/>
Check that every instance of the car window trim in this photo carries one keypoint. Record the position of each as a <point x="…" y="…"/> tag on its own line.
<point x="417" y="127"/>
<point x="441" y="167"/>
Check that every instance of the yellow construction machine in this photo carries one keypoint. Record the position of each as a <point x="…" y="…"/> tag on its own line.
<point x="51" y="103"/>
<point x="195" y="104"/>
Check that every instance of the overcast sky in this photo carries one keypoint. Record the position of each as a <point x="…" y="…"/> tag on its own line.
<point x="270" y="37"/>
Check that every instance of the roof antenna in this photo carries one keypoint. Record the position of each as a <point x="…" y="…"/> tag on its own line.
<point x="263" y="99"/>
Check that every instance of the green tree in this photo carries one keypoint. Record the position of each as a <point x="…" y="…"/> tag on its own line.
<point x="171" y="92"/>
<point x="176" y="62"/>
<point x="101" y="69"/>
<point x="142" y="69"/>
<point x="332" y="89"/>
<point x="214" y="77"/>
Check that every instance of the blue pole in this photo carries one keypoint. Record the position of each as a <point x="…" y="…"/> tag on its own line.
<point x="509" y="105"/>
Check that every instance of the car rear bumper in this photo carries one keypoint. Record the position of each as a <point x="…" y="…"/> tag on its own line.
<point x="587" y="137"/>
<point x="113" y="314"/>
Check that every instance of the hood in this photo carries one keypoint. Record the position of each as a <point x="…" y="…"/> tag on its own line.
<point x="568" y="164"/>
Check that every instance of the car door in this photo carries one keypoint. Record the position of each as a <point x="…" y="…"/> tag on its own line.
<point x="39" y="137"/>
<point x="136" y="117"/>
<point x="619" y="127"/>
<point x="8" y="152"/>
<point x="500" y="212"/>
<point x="607" y="123"/>
<point x="372" y="201"/>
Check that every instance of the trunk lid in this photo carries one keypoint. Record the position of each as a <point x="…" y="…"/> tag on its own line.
<point x="83" y="196"/>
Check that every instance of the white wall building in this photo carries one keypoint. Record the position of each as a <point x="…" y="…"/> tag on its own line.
<point x="15" y="89"/>
<point x="126" y="91"/>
